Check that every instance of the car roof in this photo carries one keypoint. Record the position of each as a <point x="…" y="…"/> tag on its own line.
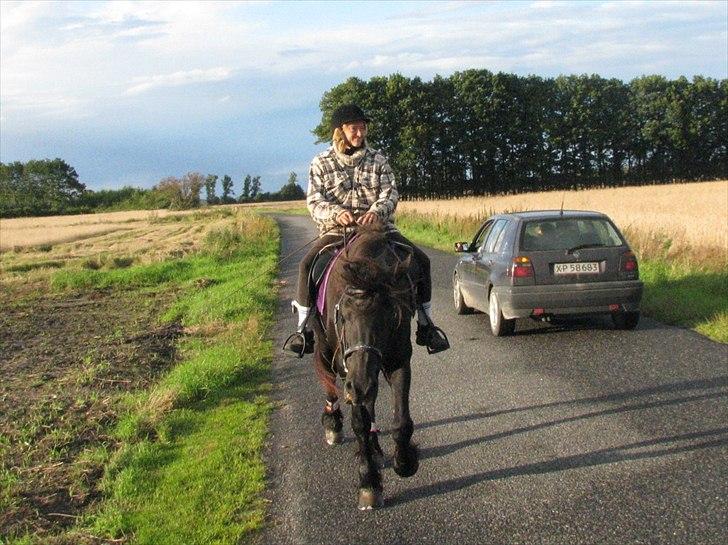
<point x="551" y="214"/>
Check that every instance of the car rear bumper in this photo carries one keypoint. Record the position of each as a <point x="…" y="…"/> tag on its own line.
<point x="520" y="301"/>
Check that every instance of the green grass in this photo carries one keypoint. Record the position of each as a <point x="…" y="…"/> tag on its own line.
<point x="692" y="296"/>
<point x="25" y="267"/>
<point x="690" y="293"/>
<point x="189" y="469"/>
<point x="199" y="482"/>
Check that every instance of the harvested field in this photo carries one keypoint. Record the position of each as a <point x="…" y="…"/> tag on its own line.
<point x="70" y="360"/>
<point x="20" y="233"/>
<point x="116" y="244"/>
<point x="64" y="368"/>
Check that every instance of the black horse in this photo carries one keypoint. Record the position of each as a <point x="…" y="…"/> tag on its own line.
<point x="364" y="330"/>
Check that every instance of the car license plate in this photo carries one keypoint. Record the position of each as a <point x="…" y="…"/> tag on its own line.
<point x="591" y="267"/>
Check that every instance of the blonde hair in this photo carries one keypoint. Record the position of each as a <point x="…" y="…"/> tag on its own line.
<point x="339" y="140"/>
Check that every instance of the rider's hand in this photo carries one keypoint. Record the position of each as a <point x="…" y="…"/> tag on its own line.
<point x="345" y="218"/>
<point x="368" y="219"/>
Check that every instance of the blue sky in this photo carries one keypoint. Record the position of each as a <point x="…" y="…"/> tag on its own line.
<point x="131" y="92"/>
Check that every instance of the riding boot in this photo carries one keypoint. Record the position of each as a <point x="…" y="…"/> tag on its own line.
<point x="301" y="342"/>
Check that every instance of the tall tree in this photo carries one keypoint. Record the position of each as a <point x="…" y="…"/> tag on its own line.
<point x="291" y="191"/>
<point x="210" y="183"/>
<point x="227" y="189"/>
<point x="478" y="132"/>
<point x="46" y="186"/>
<point x="254" y="187"/>
<point x="246" y="188"/>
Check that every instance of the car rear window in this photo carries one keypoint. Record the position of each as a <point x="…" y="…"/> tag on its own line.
<point x="564" y="234"/>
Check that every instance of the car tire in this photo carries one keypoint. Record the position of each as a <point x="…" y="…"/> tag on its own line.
<point x="460" y="306"/>
<point x="626" y="320"/>
<point x="499" y="325"/>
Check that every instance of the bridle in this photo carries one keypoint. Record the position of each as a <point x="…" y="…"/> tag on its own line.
<point x="339" y="329"/>
<point x="352" y="292"/>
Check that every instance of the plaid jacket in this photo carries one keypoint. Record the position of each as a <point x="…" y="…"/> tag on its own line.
<point x="331" y="190"/>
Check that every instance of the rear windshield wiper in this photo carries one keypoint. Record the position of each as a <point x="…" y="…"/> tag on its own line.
<point x="582" y="246"/>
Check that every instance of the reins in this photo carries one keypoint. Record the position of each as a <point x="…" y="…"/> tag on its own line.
<point x="281" y="260"/>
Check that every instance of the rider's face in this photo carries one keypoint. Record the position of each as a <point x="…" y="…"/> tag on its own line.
<point x="355" y="133"/>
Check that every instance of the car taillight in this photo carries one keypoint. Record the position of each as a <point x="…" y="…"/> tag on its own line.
<point x="522" y="267"/>
<point x="629" y="262"/>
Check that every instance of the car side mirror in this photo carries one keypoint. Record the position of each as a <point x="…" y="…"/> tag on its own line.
<point x="462" y="247"/>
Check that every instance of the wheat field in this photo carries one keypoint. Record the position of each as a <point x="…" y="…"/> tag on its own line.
<point x="689" y="214"/>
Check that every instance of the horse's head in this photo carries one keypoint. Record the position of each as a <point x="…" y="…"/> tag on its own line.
<point x="373" y="312"/>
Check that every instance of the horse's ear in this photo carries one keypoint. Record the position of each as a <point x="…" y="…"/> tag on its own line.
<point x="403" y="255"/>
<point x="402" y="266"/>
<point x="352" y="271"/>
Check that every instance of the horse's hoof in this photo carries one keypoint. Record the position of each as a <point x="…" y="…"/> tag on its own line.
<point x="334" y="437"/>
<point x="370" y="499"/>
<point x="406" y="463"/>
<point x="406" y="470"/>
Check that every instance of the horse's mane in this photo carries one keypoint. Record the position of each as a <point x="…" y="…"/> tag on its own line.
<point x="380" y="274"/>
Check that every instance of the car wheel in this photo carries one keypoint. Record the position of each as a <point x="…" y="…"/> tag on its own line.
<point x="499" y="326"/>
<point x="626" y="320"/>
<point x="460" y="306"/>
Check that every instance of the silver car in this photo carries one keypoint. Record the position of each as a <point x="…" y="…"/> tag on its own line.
<point x="542" y="264"/>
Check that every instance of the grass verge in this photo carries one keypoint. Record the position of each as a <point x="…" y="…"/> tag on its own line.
<point x="189" y="467"/>
<point x="687" y="288"/>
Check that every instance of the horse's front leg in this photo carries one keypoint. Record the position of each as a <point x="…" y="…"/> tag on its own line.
<point x="331" y="419"/>
<point x="370" y="478"/>
<point x="374" y="433"/>
<point x="406" y="458"/>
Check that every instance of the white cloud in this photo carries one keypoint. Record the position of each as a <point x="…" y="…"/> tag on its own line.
<point x="544" y="4"/>
<point x="177" y="79"/>
<point x="66" y="57"/>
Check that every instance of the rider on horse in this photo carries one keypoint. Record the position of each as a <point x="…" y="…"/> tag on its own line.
<point x="351" y="184"/>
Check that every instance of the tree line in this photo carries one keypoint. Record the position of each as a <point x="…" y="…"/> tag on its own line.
<point x="52" y="186"/>
<point x="478" y="132"/>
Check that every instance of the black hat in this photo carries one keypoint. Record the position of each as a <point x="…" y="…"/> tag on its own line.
<point x="347" y="113"/>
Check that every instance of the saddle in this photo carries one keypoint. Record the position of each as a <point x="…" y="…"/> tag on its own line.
<point x="318" y="276"/>
<point x="317" y="285"/>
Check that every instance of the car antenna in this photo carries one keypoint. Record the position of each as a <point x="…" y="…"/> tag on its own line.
<point x="561" y="212"/>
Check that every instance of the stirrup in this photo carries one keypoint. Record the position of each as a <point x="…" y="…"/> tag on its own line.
<point x="440" y="335"/>
<point x="287" y="344"/>
<point x="306" y="341"/>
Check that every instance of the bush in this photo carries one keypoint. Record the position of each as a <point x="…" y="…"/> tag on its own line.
<point x="223" y="243"/>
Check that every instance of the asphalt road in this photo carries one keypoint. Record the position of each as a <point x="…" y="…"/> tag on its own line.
<point x="556" y="435"/>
